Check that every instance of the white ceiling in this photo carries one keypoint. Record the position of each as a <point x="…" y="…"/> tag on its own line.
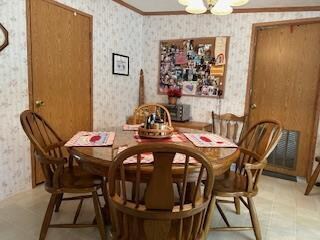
<point x="173" y="5"/>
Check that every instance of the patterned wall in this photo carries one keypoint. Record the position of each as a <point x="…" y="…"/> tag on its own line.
<point x="238" y="26"/>
<point x="116" y="29"/>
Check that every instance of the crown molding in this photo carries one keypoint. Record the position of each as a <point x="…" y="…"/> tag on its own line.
<point x="239" y="10"/>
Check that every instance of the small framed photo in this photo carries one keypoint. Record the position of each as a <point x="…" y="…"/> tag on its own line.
<point x="120" y="64"/>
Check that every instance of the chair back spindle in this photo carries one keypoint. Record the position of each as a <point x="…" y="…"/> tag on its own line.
<point x="255" y="147"/>
<point x="262" y="137"/>
<point x="47" y="146"/>
<point x="161" y="211"/>
<point x="228" y="125"/>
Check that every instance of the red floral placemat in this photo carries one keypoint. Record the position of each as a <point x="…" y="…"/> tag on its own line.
<point x="148" y="158"/>
<point x="91" y="139"/>
<point x="209" y="140"/>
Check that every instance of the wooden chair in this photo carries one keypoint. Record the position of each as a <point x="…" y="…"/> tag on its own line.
<point x="313" y="178"/>
<point x="255" y="146"/>
<point x="146" y="109"/>
<point x="154" y="213"/>
<point x="228" y="125"/>
<point x="60" y="176"/>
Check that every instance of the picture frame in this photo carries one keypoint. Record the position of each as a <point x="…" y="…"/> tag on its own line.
<point x="120" y="64"/>
<point x="198" y="66"/>
<point x="4" y="37"/>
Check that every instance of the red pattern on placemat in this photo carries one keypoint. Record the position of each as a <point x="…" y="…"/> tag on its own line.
<point x="146" y="158"/>
<point x="175" y="138"/>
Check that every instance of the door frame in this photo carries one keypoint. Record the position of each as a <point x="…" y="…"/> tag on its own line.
<point x="30" y="67"/>
<point x="255" y="29"/>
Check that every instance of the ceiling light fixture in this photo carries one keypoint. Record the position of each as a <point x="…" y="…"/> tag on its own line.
<point x="216" y="7"/>
<point x="183" y="2"/>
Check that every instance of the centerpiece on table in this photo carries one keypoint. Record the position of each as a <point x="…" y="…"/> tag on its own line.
<point x="156" y="127"/>
<point x="173" y="94"/>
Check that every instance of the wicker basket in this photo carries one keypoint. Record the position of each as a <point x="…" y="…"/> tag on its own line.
<point x="155" y="133"/>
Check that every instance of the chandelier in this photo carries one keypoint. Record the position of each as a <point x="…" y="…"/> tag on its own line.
<point x="216" y="7"/>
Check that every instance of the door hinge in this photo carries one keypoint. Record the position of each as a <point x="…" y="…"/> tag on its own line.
<point x="90" y="35"/>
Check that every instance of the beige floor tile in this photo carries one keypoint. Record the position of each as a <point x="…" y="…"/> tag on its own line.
<point x="283" y="211"/>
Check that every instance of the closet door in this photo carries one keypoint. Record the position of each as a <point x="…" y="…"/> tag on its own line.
<point x="285" y="86"/>
<point x="60" y="54"/>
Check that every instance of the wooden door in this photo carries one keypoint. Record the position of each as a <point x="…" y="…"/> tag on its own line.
<point x="285" y="84"/>
<point x="60" y="55"/>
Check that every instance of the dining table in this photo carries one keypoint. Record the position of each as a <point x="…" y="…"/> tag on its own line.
<point x="97" y="160"/>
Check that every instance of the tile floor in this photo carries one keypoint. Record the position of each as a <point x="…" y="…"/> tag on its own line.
<point x="284" y="214"/>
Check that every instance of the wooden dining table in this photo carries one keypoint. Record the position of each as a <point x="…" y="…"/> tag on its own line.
<point x="97" y="160"/>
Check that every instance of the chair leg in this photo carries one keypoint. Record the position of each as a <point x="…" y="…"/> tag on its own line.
<point x="47" y="217"/>
<point x="222" y="214"/>
<point x="313" y="180"/>
<point x="237" y="205"/>
<point x="99" y="218"/>
<point x="58" y="202"/>
<point x="254" y="219"/>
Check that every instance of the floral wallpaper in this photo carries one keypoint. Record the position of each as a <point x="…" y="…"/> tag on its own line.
<point x="237" y="26"/>
<point x="115" y="29"/>
<point x="14" y="147"/>
<point x="119" y="30"/>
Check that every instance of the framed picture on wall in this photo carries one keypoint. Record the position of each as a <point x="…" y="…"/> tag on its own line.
<point x="120" y="64"/>
<point x="197" y="66"/>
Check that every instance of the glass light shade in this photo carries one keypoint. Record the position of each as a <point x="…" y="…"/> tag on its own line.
<point x="196" y="7"/>
<point x="221" y="8"/>
<point x="184" y="2"/>
<point x="237" y="3"/>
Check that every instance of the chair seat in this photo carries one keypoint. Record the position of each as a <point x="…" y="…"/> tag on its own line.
<point x="231" y="184"/>
<point x="76" y="178"/>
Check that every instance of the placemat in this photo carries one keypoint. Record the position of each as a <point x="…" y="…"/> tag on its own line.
<point x="91" y="139"/>
<point x="148" y="158"/>
<point x="209" y="140"/>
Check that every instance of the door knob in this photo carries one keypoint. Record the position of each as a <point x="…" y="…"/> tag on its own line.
<point x="253" y="106"/>
<point x="39" y="103"/>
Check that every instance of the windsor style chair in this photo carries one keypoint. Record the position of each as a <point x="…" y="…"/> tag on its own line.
<point x="230" y="126"/>
<point x="159" y="211"/>
<point x="61" y="176"/>
<point x="313" y="177"/>
<point x="255" y="146"/>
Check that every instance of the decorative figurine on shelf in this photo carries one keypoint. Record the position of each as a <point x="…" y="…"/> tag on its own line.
<point x="173" y="94"/>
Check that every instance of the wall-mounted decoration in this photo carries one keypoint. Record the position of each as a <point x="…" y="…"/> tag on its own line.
<point x="4" y="37"/>
<point x="197" y="66"/>
<point x="120" y="64"/>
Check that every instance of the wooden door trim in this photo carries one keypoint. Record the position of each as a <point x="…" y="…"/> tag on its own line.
<point x="30" y="67"/>
<point x="252" y="55"/>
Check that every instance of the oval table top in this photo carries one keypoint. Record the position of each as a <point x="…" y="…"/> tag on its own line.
<point x="98" y="159"/>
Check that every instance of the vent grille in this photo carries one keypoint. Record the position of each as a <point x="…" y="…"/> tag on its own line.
<point x="285" y="153"/>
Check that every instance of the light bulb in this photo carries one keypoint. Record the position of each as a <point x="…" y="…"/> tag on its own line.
<point x="221" y="8"/>
<point x="184" y="2"/>
<point x="237" y="3"/>
<point x="196" y="7"/>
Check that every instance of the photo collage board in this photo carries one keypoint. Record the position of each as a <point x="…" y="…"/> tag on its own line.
<point x="196" y="66"/>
